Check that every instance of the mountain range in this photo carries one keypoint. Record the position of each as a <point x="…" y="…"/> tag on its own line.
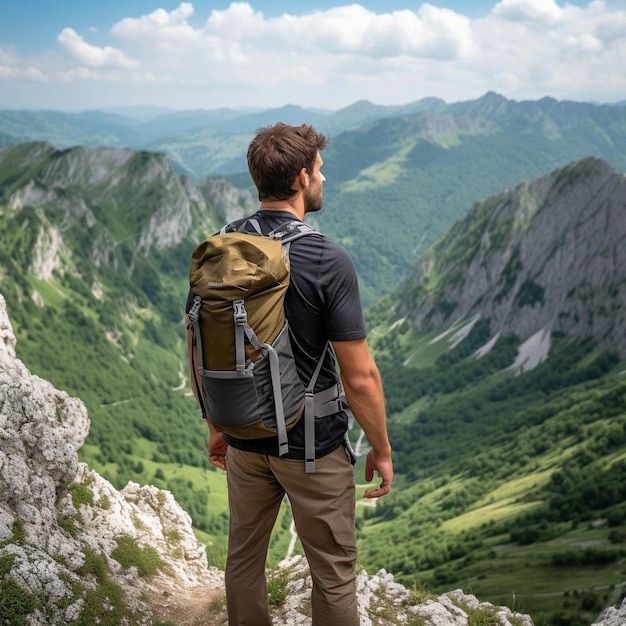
<point x="546" y="256"/>
<point x="500" y="339"/>
<point x="421" y="165"/>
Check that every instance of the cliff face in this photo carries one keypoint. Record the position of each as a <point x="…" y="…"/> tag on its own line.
<point x="545" y="256"/>
<point x="65" y="532"/>
<point x="111" y="198"/>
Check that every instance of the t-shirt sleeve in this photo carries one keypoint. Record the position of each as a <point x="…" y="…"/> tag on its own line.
<point x="344" y="314"/>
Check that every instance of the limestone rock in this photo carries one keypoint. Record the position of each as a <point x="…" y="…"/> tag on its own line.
<point x="60" y="522"/>
<point x="612" y="616"/>
<point x="383" y="601"/>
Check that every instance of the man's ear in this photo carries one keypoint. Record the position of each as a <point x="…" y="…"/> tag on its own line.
<point x="303" y="178"/>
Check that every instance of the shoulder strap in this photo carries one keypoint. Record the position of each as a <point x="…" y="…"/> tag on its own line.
<point x="291" y="230"/>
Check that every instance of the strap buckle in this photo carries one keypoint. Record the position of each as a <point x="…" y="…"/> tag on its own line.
<point x="240" y="315"/>
<point x="195" y="309"/>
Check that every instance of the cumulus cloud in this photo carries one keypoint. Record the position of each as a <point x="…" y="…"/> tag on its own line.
<point x="158" y="23"/>
<point x="430" y="32"/>
<point x="532" y="10"/>
<point x="93" y="56"/>
<point x="11" y="67"/>
<point x="332" y="57"/>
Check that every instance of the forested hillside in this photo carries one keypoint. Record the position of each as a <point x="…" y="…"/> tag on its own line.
<point x="505" y="374"/>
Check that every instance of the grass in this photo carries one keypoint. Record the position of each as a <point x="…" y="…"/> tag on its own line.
<point x="380" y="174"/>
<point x="129" y="554"/>
<point x="523" y="577"/>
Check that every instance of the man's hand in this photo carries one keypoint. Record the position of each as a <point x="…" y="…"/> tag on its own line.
<point x="384" y="466"/>
<point x="217" y="448"/>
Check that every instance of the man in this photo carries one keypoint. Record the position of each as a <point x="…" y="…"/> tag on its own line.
<point x="322" y="303"/>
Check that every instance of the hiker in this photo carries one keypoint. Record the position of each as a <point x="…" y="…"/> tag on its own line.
<point x="322" y="305"/>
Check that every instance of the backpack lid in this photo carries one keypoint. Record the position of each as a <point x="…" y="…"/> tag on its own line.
<point x="238" y="266"/>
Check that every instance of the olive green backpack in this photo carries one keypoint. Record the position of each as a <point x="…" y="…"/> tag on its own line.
<point x="245" y="376"/>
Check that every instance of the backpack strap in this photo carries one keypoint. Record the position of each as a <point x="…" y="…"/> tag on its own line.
<point x="309" y="416"/>
<point x="196" y="341"/>
<point x="243" y="328"/>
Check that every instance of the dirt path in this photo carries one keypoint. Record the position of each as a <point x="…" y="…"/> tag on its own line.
<point x="199" y="606"/>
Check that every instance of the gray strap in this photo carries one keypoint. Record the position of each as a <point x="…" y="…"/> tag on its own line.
<point x="281" y="428"/>
<point x="309" y="433"/>
<point x="309" y="416"/>
<point x="194" y="318"/>
<point x="252" y="338"/>
<point x="318" y="368"/>
<point x="241" y="320"/>
<point x="225" y="374"/>
<point x="196" y="342"/>
<point x="254" y="223"/>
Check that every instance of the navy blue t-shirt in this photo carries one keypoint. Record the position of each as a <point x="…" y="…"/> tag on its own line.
<point x="322" y="303"/>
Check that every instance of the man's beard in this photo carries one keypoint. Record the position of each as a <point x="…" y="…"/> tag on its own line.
<point x="313" y="200"/>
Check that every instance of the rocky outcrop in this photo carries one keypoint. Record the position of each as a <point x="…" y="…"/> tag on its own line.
<point x="546" y="256"/>
<point x="112" y="197"/>
<point x="382" y="601"/>
<point x="73" y="549"/>
<point x="65" y="532"/>
<point x="613" y="616"/>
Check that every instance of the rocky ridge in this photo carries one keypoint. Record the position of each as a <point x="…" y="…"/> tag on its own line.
<point x="545" y="256"/>
<point x="74" y="550"/>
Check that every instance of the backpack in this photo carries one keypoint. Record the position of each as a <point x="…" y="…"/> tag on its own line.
<point x="245" y="375"/>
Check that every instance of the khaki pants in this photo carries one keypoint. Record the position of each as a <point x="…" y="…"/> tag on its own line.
<point x="323" y="510"/>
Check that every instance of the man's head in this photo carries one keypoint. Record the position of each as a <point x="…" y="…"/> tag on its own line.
<point x="278" y="154"/>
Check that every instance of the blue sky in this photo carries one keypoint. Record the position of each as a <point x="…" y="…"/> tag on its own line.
<point x="70" y="55"/>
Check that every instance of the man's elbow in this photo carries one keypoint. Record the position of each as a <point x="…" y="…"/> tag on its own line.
<point x="362" y="382"/>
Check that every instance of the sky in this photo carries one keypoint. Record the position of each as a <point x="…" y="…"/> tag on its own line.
<point x="75" y="56"/>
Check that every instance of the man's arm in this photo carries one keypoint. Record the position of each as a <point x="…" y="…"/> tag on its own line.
<point x="216" y="445"/>
<point x="364" y="392"/>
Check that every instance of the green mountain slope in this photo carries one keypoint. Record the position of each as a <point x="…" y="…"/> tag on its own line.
<point x="509" y="478"/>
<point x="505" y="375"/>
<point x="511" y="487"/>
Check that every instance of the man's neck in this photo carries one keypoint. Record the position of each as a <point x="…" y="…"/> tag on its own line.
<point x="275" y="205"/>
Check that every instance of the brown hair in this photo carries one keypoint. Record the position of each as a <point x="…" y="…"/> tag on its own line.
<point x="278" y="153"/>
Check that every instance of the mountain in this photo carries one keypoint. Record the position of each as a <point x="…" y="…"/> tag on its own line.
<point x="365" y="112"/>
<point x="396" y="185"/>
<point x="140" y="127"/>
<point x="62" y="130"/>
<point x="520" y="260"/>
<point x="503" y="360"/>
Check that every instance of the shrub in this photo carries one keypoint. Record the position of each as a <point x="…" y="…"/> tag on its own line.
<point x="15" y="603"/>
<point x="128" y="554"/>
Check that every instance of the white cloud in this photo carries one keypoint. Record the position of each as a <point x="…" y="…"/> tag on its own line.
<point x="11" y="67"/>
<point x="158" y="23"/>
<point x="532" y="10"/>
<point x="93" y="56"/>
<point x="523" y="49"/>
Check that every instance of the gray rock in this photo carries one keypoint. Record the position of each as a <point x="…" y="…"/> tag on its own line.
<point x="612" y="616"/>
<point x="47" y="536"/>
